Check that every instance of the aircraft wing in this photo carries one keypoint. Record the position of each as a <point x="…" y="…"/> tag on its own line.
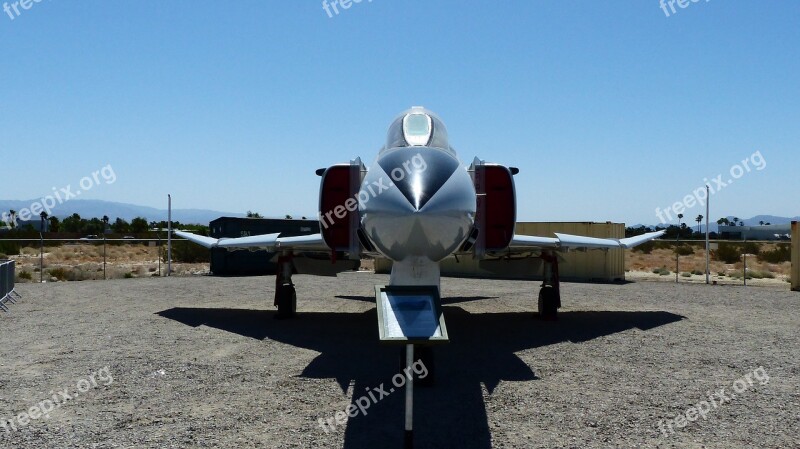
<point x="567" y="241"/>
<point x="272" y="242"/>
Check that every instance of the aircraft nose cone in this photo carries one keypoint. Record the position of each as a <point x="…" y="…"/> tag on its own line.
<point x="418" y="173"/>
<point x="427" y="217"/>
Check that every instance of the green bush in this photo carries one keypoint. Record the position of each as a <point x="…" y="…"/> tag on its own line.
<point x="9" y="248"/>
<point x="727" y="252"/>
<point x="25" y="275"/>
<point x="128" y="275"/>
<point x="645" y="248"/>
<point x="59" y="273"/>
<point x="663" y="244"/>
<point x="187" y="252"/>
<point x="684" y="250"/>
<point x="661" y="271"/>
<point x="751" y="248"/>
<point x="760" y="274"/>
<point x="698" y="272"/>
<point x="783" y="253"/>
<point x="686" y="275"/>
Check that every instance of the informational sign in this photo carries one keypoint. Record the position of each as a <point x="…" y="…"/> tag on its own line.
<point x="410" y="314"/>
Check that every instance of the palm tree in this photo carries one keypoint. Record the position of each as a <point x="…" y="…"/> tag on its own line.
<point x="43" y="216"/>
<point x="698" y="220"/>
<point x="735" y="221"/>
<point x="761" y="223"/>
<point x="13" y="218"/>
<point x="723" y="221"/>
<point x="680" y="217"/>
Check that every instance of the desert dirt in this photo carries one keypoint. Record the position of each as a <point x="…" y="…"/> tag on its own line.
<point x="200" y="362"/>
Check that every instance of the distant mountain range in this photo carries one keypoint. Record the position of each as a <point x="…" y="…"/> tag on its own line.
<point x="97" y="208"/>
<point x="713" y="227"/>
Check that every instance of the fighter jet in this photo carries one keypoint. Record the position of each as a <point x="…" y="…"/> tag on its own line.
<point x="416" y="205"/>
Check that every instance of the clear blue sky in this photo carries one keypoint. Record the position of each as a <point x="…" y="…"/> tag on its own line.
<point x="610" y="109"/>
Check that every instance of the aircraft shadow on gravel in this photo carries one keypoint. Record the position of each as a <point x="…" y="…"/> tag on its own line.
<point x="452" y="413"/>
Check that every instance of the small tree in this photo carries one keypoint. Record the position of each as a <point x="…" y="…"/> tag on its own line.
<point x="73" y="223"/>
<point x="55" y="223"/>
<point x="121" y="226"/>
<point x="139" y="225"/>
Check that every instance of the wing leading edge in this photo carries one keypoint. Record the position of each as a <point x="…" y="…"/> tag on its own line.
<point x="567" y="241"/>
<point x="273" y="242"/>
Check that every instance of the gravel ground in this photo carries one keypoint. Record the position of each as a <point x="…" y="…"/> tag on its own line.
<point x="200" y="362"/>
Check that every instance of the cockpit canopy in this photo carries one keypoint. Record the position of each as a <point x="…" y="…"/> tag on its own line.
<point x="417" y="127"/>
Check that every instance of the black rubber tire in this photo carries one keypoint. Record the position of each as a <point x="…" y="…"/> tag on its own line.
<point x="287" y="301"/>
<point x="548" y="303"/>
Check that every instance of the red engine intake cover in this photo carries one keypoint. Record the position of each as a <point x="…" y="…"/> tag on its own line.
<point x="496" y="213"/>
<point x="339" y="223"/>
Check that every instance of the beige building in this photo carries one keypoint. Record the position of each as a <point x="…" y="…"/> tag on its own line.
<point x="796" y="256"/>
<point x="592" y="265"/>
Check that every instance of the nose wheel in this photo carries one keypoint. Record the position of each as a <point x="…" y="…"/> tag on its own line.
<point x="550" y="293"/>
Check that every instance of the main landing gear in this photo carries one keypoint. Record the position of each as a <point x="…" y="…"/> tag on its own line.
<point x="550" y="293"/>
<point x="285" y="295"/>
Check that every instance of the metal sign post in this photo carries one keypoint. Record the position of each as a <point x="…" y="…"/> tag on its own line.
<point x="409" y="431"/>
<point x="410" y="315"/>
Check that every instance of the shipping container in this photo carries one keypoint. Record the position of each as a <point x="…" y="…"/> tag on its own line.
<point x="246" y="262"/>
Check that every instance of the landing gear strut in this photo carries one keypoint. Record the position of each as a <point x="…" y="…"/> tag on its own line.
<point x="550" y="294"/>
<point x="285" y="295"/>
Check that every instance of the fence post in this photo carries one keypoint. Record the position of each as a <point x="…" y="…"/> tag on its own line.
<point x="3" y="286"/>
